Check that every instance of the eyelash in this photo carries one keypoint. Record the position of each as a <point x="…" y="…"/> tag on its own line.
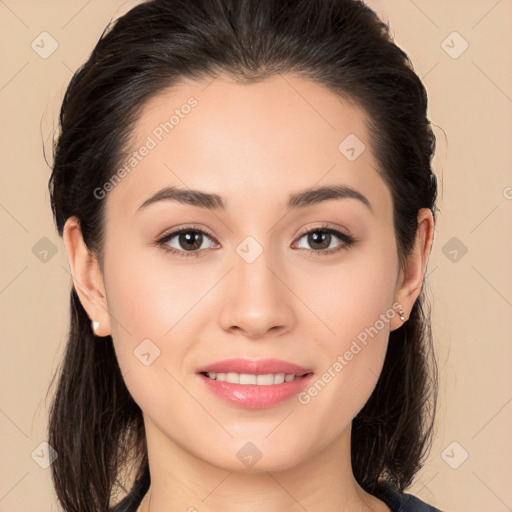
<point x="348" y="241"/>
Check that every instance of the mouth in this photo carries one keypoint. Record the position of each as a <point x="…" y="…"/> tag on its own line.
<point x="254" y="384"/>
<point x="265" y="379"/>
<point x="249" y="367"/>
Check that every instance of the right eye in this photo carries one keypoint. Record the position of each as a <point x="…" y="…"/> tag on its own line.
<point x="189" y="242"/>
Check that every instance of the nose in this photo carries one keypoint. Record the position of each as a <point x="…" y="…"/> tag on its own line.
<point x="256" y="300"/>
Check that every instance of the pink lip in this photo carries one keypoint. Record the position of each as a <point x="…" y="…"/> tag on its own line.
<point x="254" y="396"/>
<point x="255" y="367"/>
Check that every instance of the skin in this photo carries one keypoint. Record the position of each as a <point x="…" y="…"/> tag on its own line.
<point x="253" y="145"/>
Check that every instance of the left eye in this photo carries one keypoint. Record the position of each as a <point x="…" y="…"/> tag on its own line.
<point x="323" y="237"/>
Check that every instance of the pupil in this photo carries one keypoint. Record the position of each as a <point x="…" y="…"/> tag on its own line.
<point x="318" y="237"/>
<point x="189" y="240"/>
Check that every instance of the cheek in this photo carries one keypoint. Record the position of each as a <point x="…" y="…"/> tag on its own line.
<point x="351" y="295"/>
<point x="152" y="298"/>
<point x="156" y="307"/>
<point x="149" y="310"/>
<point x="355" y="309"/>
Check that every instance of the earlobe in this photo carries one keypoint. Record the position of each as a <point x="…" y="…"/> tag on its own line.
<point x="411" y="279"/>
<point x="87" y="277"/>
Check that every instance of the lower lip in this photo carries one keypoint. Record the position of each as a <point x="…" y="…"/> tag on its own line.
<point x="253" y="396"/>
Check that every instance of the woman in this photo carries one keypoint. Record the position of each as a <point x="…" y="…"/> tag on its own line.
<point x="245" y="195"/>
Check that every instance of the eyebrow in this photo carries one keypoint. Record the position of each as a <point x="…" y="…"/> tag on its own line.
<point x="302" y="199"/>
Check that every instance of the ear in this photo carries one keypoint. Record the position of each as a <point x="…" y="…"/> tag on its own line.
<point x="87" y="277"/>
<point x="410" y="279"/>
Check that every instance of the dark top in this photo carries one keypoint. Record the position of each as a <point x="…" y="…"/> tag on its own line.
<point x="385" y="492"/>
<point x="402" y="502"/>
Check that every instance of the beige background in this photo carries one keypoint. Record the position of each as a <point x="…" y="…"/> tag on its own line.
<point x="470" y="106"/>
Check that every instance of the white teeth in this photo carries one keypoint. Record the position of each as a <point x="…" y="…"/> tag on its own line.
<point x="248" y="378"/>
<point x="265" y="380"/>
<point x="234" y="378"/>
<point x="279" y="378"/>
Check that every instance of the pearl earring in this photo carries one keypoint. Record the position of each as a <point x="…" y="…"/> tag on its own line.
<point x="401" y="313"/>
<point x="95" y="326"/>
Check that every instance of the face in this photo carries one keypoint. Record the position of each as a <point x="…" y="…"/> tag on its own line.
<point x="261" y="272"/>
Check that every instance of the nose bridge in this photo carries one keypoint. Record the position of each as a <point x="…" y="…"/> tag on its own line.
<point x="255" y="299"/>
<point x="252" y="268"/>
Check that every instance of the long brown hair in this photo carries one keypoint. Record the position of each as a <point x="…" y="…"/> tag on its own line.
<point x="95" y="426"/>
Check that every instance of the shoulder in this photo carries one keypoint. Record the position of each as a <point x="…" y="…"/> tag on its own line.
<point x="410" y="503"/>
<point x="402" y="502"/>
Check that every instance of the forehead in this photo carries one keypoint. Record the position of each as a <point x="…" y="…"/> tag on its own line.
<point x="262" y="140"/>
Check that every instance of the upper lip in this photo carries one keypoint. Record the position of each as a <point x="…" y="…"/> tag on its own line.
<point x="255" y="367"/>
